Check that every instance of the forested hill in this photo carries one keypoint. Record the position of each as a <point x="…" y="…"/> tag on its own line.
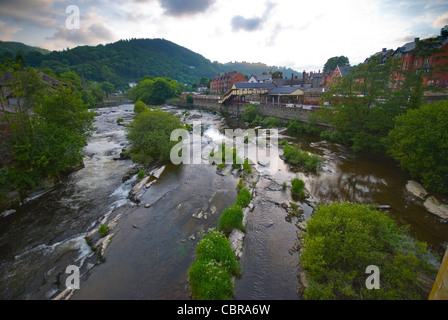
<point x="129" y="60"/>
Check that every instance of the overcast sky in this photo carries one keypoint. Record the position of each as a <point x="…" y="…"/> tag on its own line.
<point x="292" y="33"/>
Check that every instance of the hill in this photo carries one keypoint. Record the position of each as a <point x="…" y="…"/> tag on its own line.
<point x="9" y="49"/>
<point x="129" y="60"/>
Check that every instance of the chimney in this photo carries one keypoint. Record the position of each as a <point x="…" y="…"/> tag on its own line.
<point x="384" y="50"/>
<point x="416" y="40"/>
<point x="303" y="78"/>
<point x="292" y="79"/>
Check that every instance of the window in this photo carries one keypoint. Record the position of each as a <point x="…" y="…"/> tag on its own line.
<point x="416" y="62"/>
<point x="405" y="65"/>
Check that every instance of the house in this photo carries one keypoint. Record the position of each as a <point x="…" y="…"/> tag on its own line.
<point x="224" y="82"/>
<point x="260" y="79"/>
<point x="339" y="73"/>
<point x="429" y="56"/>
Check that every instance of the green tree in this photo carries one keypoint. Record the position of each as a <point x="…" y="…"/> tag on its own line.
<point x="342" y="240"/>
<point x="108" y="88"/>
<point x="419" y="141"/>
<point x="363" y="105"/>
<point x="332" y="63"/>
<point x="251" y="113"/>
<point x="139" y="107"/>
<point x="149" y="136"/>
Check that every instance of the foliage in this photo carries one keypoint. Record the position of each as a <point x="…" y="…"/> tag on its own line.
<point x="342" y="240"/>
<point x="419" y="141"/>
<point x="363" y="105"/>
<point x="251" y="113"/>
<point x="190" y="100"/>
<point x="141" y="174"/>
<point x="210" y="281"/>
<point x="149" y="136"/>
<point x="103" y="230"/>
<point x="332" y="63"/>
<point x="299" y="127"/>
<point x="298" y="187"/>
<point x="296" y="156"/>
<point x="243" y="198"/>
<point x="154" y="91"/>
<point x="49" y="130"/>
<point x="246" y="166"/>
<point x="215" y="246"/>
<point x="272" y="122"/>
<point x="210" y="276"/>
<point x="231" y="218"/>
<point x="139" y="107"/>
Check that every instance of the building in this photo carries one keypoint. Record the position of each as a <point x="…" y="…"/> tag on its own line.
<point x="339" y="73"/>
<point x="284" y="95"/>
<point x="223" y="83"/>
<point x="261" y="79"/>
<point x="429" y="56"/>
<point x="247" y="92"/>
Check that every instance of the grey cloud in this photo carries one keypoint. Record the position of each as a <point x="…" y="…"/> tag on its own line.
<point x="252" y="24"/>
<point x="94" y="34"/>
<point x="241" y="23"/>
<point x="179" y="8"/>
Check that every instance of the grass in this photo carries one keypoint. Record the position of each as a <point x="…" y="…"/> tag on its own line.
<point x="231" y="218"/>
<point x="103" y="230"/>
<point x="141" y="174"/>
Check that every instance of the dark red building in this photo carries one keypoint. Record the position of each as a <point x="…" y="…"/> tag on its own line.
<point x="224" y="82"/>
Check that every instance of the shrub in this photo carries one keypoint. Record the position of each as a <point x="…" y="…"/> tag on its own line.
<point x="246" y="166"/>
<point x="342" y="240"/>
<point x="210" y="281"/>
<point x="284" y="142"/>
<point x="188" y="127"/>
<point x="139" y="107"/>
<point x="215" y="246"/>
<point x="231" y="218"/>
<point x="296" y="156"/>
<point x="120" y="120"/>
<point x="298" y="187"/>
<point x="243" y="198"/>
<point x="103" y="230"/>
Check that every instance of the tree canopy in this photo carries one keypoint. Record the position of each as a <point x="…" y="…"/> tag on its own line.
<point x="343" y="240"/>
<point x="419" y="141"/>
<point x="332" y="63"/>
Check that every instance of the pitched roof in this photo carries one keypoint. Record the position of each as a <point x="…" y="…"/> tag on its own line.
<point x="344" y="70"/>
<point x="285" y="91"/>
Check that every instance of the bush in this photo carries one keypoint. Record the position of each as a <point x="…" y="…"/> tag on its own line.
<point x="139" y="107"/>
<point x="243" y="198"/>
<point x="251" y="113"/>
<point x="215" y="246"/>
<point x="298" y="187"/>
<point x="246" y="166"/>
<point x="284" y="142"/>
<point x="342" y="240"/>
<point x="296" y="156"/>
<point x="149" y="136"/>
<point x="210" y="281"/>
<point x="231" y="218"/>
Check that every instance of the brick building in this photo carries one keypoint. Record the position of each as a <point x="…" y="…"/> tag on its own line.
<point x="224" y="82"/>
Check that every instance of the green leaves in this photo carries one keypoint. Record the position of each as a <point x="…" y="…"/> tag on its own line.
<point x="419" y="141"/>
<point x="342" y="240"/>
<point x="149" y="136"/>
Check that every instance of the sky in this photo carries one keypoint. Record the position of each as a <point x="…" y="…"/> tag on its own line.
<point x="298" y="34"/>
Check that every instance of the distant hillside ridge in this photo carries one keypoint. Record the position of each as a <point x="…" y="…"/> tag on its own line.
<point x="130" y="60"/>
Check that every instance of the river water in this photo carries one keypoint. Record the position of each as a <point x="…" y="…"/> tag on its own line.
<point x="153" y="247"/>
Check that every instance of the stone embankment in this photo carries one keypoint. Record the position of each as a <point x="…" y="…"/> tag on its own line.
<point x="429" y="202"/>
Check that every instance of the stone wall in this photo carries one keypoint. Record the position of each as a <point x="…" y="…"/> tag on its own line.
<point x="281" y="112"/>
<point x="440" y="289"/>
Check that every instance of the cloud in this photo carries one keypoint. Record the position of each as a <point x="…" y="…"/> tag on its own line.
<point x="7" y="32"/>
<point x="251" y="24"/>
<point x="441" y="21"/>
<point x="178" y="8"/>
<point x="39" y="12"/>
<point x="241" y="23"/>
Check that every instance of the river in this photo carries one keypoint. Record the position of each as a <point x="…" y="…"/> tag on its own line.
<point x="154" y="245"/>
